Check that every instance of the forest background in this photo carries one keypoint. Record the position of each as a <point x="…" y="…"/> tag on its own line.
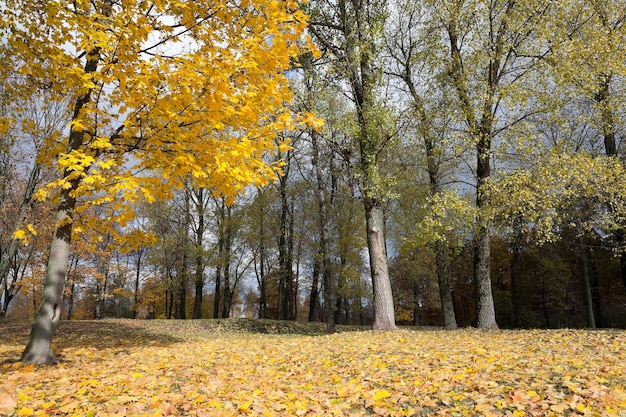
<point x="471" y="156"/>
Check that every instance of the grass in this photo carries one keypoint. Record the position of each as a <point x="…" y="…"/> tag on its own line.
<point x="271" y="368"/>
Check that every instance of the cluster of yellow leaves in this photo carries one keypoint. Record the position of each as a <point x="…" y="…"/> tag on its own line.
<point x="450" y="219"/>
<point x="158" y="92"/>
<point x="399" y="373"/>
<point x="563" y="189"/>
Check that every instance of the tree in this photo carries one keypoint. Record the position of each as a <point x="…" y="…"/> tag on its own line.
<point x="348" y="32"/>
<point x="413" y="52"/>
<point x="587" y="62"/>
<point x="492" y="50"/>
<point x="167" y="89"/>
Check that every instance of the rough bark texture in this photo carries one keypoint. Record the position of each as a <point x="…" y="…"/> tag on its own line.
<point x="482" y="265"/>
<point x="38" y="350"/>
<point x="384" y="318"/>
<point x="481" y="131"/>
<point x="356" y="24"/>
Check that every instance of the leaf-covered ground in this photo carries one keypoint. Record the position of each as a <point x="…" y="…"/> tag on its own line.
<point x="265" y="368"/>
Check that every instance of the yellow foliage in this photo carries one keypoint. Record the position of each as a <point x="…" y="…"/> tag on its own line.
<point x="159" y="92"/>
<point x="152" y="367"/>
<point x="553" y="192"/>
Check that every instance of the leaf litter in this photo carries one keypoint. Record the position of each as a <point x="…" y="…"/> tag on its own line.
<point x="262" y="368"/>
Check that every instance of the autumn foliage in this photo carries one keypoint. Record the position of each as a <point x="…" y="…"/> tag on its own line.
<point x="230" y="368"/>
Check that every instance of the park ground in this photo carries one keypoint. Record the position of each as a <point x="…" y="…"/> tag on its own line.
<point x="269" y="368"/>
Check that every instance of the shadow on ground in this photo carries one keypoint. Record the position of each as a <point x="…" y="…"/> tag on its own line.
<point x="100" y="334"/>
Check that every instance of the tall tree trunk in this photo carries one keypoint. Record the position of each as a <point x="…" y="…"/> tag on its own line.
<point x="584" y="263"/>
<point x="38" y="350"/>
<point x="283" y="251"/>
<point x="443" y="279"/>
<point x="384" y="315"/>
<point x="314" y="297"/>
<point x="228" y="242"/>
<point x="39" y="347"/>
<point x="139" y="255"/>
<point x="595" y="295"/>
<point x="433" y="167"/>
<point x="228" y="301"/>
<point x="197" y="301"/>
<point x="261" y="280"/>
<point x="199" y="252"/>
<point x="218" y="287"/>
<point x="323" y="255"/>
<point x="357" y="23"/>
<point x="181" y="302"/>
<point x="221" y="247"/>
<point x="515" y="291"/>
<point x="71" y="288"/>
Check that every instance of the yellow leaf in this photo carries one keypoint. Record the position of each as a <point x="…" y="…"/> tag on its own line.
<point x="25" y="411"/>
<point x="381" y="394"/>
<point x="244" y="406"/>
<point x="19" y="234"/>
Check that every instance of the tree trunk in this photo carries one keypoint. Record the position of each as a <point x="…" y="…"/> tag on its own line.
<point x="314" y="297"/>
<point x="416" y="305"/>
<point x="220" y="262"/>
<point x="283" y="251"/>
<point x="199" y="255"/>
<point x="595" y="295"/>
<point x="384" y="316"/>
<point x="584" y="263"/>
<point x="181" y="303"/>
<point x="39" y="347"/>
<point x="197" y="301"/>
<point x="486" y="308"/>
<point x="228" y="301"/>
<point x="324" y="256"/>
<point x="261" y="269"/>
<point x="515" y="291"/>
<point x="139" y="254"/>
<point x="38" y="350"/>
<point x="218" y="295"/>
<point x="445" y="292"/>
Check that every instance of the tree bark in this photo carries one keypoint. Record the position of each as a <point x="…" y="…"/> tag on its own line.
<point x="324" y="256"/>
<point x="314" y="297"/>
<point x="285" y="271"/>
<point x="482" y="264"/>
<point x="199" y="272"/>
<point x="480" y="130"/>
<point x="39" y="347"/>
<point x="384" y="317"/>
<point x="261" y="270"/>
<point x="445" y="292"/>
